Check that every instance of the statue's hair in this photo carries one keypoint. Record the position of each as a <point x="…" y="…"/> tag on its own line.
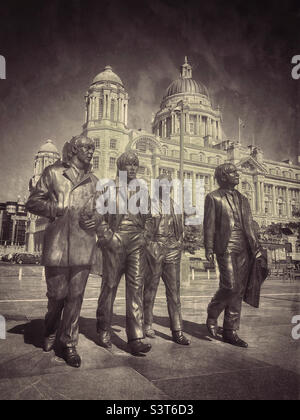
<point x="67" y="151"/>
<point x="223" y="170"/>
<point x="127" y="158"/>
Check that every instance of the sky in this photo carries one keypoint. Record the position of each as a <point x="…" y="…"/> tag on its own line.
<point x="240" y="50"/>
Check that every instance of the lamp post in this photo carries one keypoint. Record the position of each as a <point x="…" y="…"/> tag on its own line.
<point x="179" y="111"/>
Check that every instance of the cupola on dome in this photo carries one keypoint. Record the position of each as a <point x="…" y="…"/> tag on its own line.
<point x="107" y="75"/>
<point x="185" y="83"/>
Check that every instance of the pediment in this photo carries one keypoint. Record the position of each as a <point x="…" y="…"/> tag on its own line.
<point x="252" y="166"/>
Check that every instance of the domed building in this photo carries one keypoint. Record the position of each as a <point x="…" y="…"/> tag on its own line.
<point x="202" y="123"/>
<point x="106" y="116"/>
<point x="202" y="131"/>
<point x="46" y="155"/>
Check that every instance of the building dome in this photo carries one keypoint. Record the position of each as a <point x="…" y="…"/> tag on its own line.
<point x="186" y="86"/>
<point x="185" y="83"/>
<point x="48" y="147"/>
<point x="107" y="75"/>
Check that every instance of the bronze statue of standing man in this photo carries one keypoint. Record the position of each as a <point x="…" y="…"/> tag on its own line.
<point x="164" y="256"/>
<point x="229" y="233"/>
<point x="69" y="242"/>
<point x="122" y="240"/>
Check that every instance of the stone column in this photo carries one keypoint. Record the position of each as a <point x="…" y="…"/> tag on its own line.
<point x="258" y="198"/>
<point x="211" y="182"/>
<point x="97" y="107"/>
<point x="187" y="122"/>
<point x="253" y="201"/>
<point x="194" y="188"/>
<point x="90" y="109"/>
<point x="94" y="108"/>
<point x="288" y="203"/>
<point x="86" y="112"/>
<point x="274" y="200"/>
<point x="262" y="185"/>
<point x="104" y="106"/>
<point x="214" y="129"/>
<point x="209" y="126"/>
<point x="126" y="105"/>
<point x="108" y="106"/>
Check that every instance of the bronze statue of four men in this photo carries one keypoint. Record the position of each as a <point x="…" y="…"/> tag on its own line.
<point x="142" y="246"/>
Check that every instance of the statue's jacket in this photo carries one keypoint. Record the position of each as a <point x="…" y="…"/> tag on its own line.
<point x="218" y="222"/>
<point x="65" y="242"/>
<point x="155" y="249"/>
<point x="109" y="223"/>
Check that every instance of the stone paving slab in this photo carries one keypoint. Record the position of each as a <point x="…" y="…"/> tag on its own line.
<point x="120" y="383"/>
<point x="270" y="383"/>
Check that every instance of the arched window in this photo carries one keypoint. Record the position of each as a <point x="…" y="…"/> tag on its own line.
<point x="165" y="151"/>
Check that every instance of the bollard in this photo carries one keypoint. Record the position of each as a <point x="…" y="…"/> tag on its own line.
<point x="20" y="273"/>
<point x="208" y="274"/>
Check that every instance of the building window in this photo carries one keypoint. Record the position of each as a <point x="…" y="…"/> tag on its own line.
<point x="160" y="128"/>
<point x="96" y="162"/>
<point x="169" y="126"/>
<point x="112" y="110"/>
<point x="100" y="114"/>
<point x="112" y="163"/>
<point x="113" y="144"/>
<point x="142" y="170"/>
<point x="165" y="151"/>
<point x="97" y="143"/>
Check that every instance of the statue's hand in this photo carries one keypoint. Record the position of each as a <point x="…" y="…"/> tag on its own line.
<point x="88" y="224"/>
<point x="209" y="256"/>
<point x="60" y="209"/>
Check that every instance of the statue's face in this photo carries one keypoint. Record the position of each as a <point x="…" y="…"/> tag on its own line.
<point x="85" y="151"/>
<point x="131" y="167"/>
<point x="232" y="177"/>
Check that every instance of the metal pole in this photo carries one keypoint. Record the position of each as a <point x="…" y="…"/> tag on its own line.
<point x="181" y="174"/>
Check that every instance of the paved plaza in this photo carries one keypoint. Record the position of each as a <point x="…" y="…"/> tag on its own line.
<point x="208" y="369"/>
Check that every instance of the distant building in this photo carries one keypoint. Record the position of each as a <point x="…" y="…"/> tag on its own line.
<point x="273" y="188"/>
<point x="13" y="219"/>
<point x="46" y="155"/>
